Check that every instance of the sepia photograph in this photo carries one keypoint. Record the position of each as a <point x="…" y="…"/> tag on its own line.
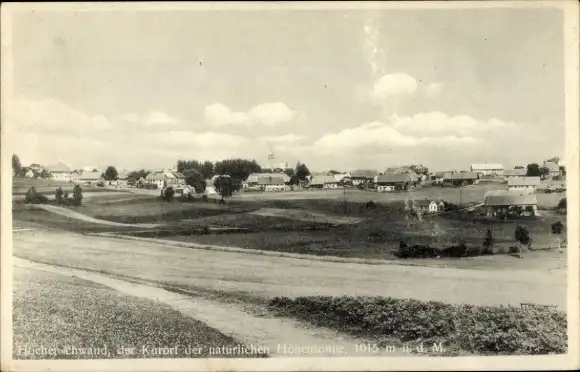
<point x="290" y="186"/>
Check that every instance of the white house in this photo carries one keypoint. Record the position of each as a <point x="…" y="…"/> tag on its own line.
<point x="30" y="173"/>
<point x="487" y="169"/>
<point x="122" y="178"/>
<point x="430" y="206"/>
<point x="514" y="173"/>
<point x="362" y="175"/>
<point x="391" y="182"/>
<point x="157" y="178"/>
<point x="324" y="182"/>
<point x="527" y="184"/>
<point x="253" y="178"/>
<point x="61" y="172"/>
<point x="271" y="183"/>
<point x="553" y="168"/>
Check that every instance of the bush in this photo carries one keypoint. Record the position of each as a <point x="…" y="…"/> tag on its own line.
<point x="474" y="329"/>
<point x="371" y="204"/>
<point x="59" y="196"/>
<point x="33" y="197"/>
<point x="167" y="193"/>
<point x="77" y="195"/>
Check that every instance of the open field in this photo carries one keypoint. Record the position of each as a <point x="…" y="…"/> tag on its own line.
<point x="61" y="312"/>
<point x="48" y="187"/>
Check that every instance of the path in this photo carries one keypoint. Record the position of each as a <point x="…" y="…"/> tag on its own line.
<point x="267" y="276"/>
<point x="260" y="331"/>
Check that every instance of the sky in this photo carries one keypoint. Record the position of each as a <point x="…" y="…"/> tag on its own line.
<point x="335" y="89"/>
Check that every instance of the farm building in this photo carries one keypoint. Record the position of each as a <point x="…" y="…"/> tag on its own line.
<point x="528" y="184"/>
<point x="89" y="178"/>
<point x="253" y="178"/>
<point x="122" y="178"/>
<point x="29" y="173"/>
<point x="487" y="169"/>
<point x="360" y="176"/>
<point x="429" y="206"/>
<point x="342" y="177"/>
<point x="437" y="177"/>
<point x="324" y="182"/>
<point x="554" y="169"/>
<point x="162" y="178"/>
<point x="505" y="203"/>
<point x="460" y="178"/>
<point x="413" y="176"/>
<point x="514" y="173"/>
<point x="61" y="172"/>
<point x="391" y="182"/>
<point x="271" y="183"/>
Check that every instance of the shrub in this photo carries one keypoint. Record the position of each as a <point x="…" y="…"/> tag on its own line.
<point x="58" y="196"/>
<point x="167" y="193"/>
<point x="474" y="329"/>
<point x="31" y="196"/>
<point x="77" y="195"/>
<point x="371" y="204"/>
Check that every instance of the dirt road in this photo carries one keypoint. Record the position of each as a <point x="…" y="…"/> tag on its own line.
<point x="265" y="276"/>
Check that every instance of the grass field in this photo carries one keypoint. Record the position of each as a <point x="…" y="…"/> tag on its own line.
<point x="55" y="311"/>
<point x="48" y="187"/>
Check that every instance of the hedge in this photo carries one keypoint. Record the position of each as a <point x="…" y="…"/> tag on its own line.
<point x="467" y="328"/>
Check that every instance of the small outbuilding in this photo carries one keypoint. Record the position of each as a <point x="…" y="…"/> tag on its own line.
<point x="504" y="203"/>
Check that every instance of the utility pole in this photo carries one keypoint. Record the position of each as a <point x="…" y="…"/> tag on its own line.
<point x="344" y="197"/>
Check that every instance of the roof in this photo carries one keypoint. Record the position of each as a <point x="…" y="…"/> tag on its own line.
<point x="270" y="181"/>
<point x="514" y="172"/>
<point x="89" y="176"/>
<point x="553" y="167"/>
<point x="59" y="167"/>
<point x="478" y="167"/>
<point x="157" y="176"/>
<point x="322" y="179"/>
<point x="392" y="178"/>
<point x="363" y="173"/>
<point x="524" y="181"/>
<point x="253" y="178"/>
<point x="340" y="176"/>
<point x="413" y="176"/>
<point x="460" y="176"/>
<point x="506" y="198"/>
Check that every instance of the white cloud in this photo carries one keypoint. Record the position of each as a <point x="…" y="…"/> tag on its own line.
<point x="152" y="118"/>
<point x="371" y="46"/>
<point x="269" y="114"/>
<point x="283" y="139"/>
<point x="397" y="84"/>
<point x="52" y="116"/>
<point x="433" y="89"/>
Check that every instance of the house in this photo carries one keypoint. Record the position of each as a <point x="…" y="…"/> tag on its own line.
<point x="528" y="184"/>
<point x="324" y="182"/>
<point x="361" y="176"/>
<point x="505" y="203"/>
<point x="413" y="176"/>
<point x="30" y="173"/>
<point x="182" y="190"/>
<point x="553" y="168"/>
<point x="89" y="178"/>
<point x="61" y="172"/>
<point x="391" y="182"/>
<point x="514" y="173"/>
<point x="342" y="177"/>
<point x="487" y="169"/>
<point x="460" y="178"/>
<point x="157" y="178"/>
<point x="36" y="168"/>
<point x="437" y="177"/>
<point x="252" y="180"/>
<point x="429" y="206"/>
<point x="271" y="183"/>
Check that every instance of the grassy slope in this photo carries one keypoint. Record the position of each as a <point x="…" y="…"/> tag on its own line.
<point x="50" y="310"/>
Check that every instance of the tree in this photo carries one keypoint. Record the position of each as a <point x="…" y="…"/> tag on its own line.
<point x="135" y="176"/>
<point x="563" y="170"/>
<point x="225" y="186"/>
<point x="195" y="179"/>
<point x="294" y="180"/>
<point x="290" y="172"/>
<point x="557" y="229"/>
<point x="302" y="171"/>
<point x="110" y="173"/>
<point x="522" y="236"/>
<point x="168" y="193"/>
<point x="16" y="165"/>
<point x="58" y="196"/>
<point x="562" y="203"/>
<point x="44" y="174"/>
<point x="77" y="195"/>
<point x="544" y="171"/>
<point x="489" y="241"/>
<point x="207" y="170"/>
<point x="238" y="169"/>
<point x="533" y="170"/>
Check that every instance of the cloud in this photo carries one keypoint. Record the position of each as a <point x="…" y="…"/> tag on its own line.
<point x="152" y="119"/>
<point x="393" y="85"/>
<point x="282" y="139"/>
<point x="52" y="116"/>
<point x="371" y="46"/>
<point x="433" y="89"/>
<point x="268" y="114"/>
